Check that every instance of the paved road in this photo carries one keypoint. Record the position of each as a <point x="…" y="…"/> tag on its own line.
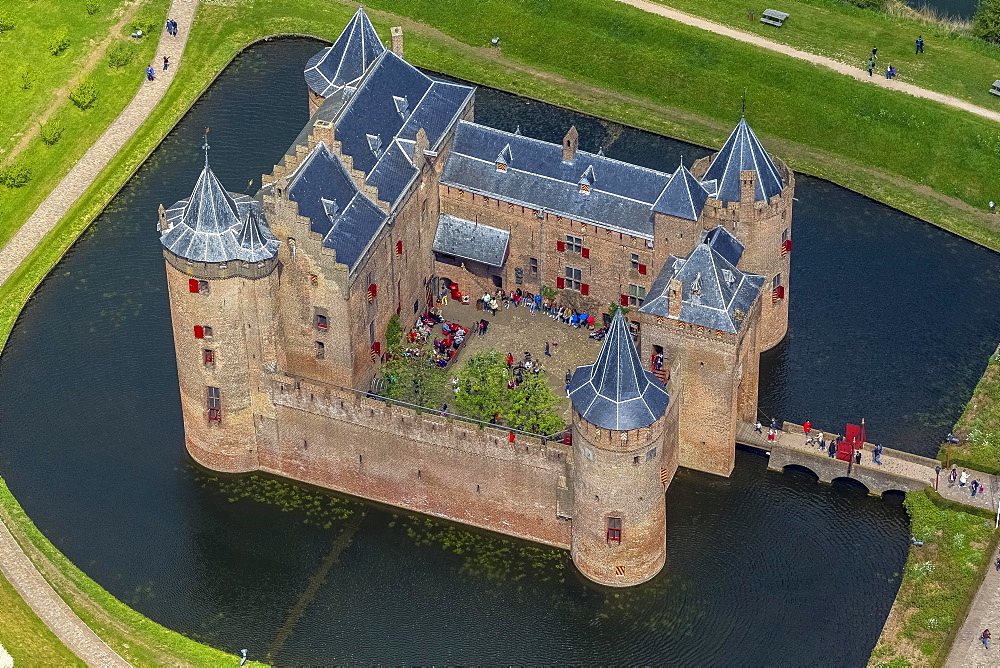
<point x="857" y="73"/>
<point x="83" y="173"/>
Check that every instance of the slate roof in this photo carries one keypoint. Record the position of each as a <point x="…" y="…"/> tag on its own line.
<point x="714" y="293"/>
<point x="347" y="60"/>
<point x="615" y="392"/>
<point x="722" y="241"/>
<point x="621" y="195"/>
<point x="354" y="229"/>
<point x="743" y="151"/>
<point x="213" y="225"/>
<point x="471" y="241"/>
<point x="683" y="196"/>
<point x="320" y="176"/>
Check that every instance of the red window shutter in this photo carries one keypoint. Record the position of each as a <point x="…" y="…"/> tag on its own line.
<point x="560" y="282"/>
<point x="585" y="252"/>
<point x="560" y="246"/>
<point x="781" y="292"/>
<point x="624" y="300"/>
<point x="642" y="269"/>
<point x="374" y="289"/>
<point x="199" y="332"/>
<point x="399" y="247"/>
<point x="193" y="285"/>
<point x="584" y="289"/>
<point x="788" y="245"/>
<point x="377" y="347"/>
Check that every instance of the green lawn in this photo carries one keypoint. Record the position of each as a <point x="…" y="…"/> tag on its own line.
<point x="955" y="64"/>
<point x="25" y="637"/>
<point x="979" y="426"/>
<point x="23" y="48"/>
<point x="940" y="579"/>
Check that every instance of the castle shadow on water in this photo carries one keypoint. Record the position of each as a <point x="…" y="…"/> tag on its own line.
<point x="391" y="187"/>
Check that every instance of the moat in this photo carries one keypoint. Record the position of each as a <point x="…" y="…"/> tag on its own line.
<point x="893" y="324"/>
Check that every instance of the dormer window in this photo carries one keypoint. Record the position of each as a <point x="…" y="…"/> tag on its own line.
<point x="728" y="277"/>
<point x="375" y="143"/>
<point x="330" y="208"/>
<point x="696" y="284"/>
<point x="587" y="180"/>
<point x="402" y="106"/>
<point x="504" y="159"/>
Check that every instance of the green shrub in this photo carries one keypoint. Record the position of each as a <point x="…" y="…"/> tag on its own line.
<point x="15" y="176"/>
<point x="91" y="6"/>
<point x="27" y="78"/>
<point x="120" y="55"/>
<point x="986" y="22"/>
<point x="84" y="95"/>
<point x="145" y="23"/>
<point x="393" y="332"/>
<point x="58" y="42"/>
<point x="876" y="5"/>
<point x="6" y="22"/>
<point x="51" y="132"/>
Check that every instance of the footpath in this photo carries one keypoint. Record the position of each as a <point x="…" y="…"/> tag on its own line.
<point x="83" y="173"/>
<point x="837" y="66"/>
<point x="14" y="563"/>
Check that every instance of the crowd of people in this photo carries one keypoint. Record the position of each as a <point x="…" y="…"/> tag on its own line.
<point x="444" y="348"/>
<point x="521" y="299"/>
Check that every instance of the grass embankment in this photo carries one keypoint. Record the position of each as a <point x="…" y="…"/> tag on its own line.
<point x="25" y="637"/>
<point x="979" y="426"/>
<point x="953" y="62"/>
<point x="137" y="639"/>
<point x="25" y="49"/>
<point x="940" y="580"/>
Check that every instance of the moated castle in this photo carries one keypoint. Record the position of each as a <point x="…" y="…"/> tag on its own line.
<point x="280" y="304"/>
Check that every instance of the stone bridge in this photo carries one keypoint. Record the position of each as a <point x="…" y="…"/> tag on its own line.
<point x="900" y="471"/>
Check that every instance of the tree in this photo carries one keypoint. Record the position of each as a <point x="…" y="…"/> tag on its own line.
<point x="51" y="132"/>
<point x="91" y="6"/>
<point x="482" y="385"/>
<point x="414" y="380"/>
<point x="84" y="95"/>
<point x="58" y="42"/>
<point x="533" y="406"/>
<point x="393" y="332"/>
<point x="15" y="176"/>
<point x="6" y="22"/>
<point x="986" y="22"/>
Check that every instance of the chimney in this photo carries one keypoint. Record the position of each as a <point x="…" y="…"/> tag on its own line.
<point x="570" y="142"/>
<point x="421" y="145"/>
<point x="397" y="40"/>
<point x="162" y="227"/>
<point x="676" y="296"/>
<point x="748" y="181"/>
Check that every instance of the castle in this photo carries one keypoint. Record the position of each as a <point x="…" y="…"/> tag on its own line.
<point x="391" y="192"/>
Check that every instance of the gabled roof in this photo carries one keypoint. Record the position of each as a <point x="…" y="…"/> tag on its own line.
<point x="212" y="225"/>
<point x="743" y="151"/>
<point x="722" y="241"/>
<point x="354" y="229"/>
<point x="714" y="293"/>
<point x="320" y="176"/>
<point x="471" y="241"/>
<point x="621" y="194"/>
<point x="615" y="392"/>
<point x="347" y="60"/>
<point x="683" y="196"/>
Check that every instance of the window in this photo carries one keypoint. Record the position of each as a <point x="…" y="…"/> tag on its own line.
<point x="635" y="261"/>
<point x="615" y="529"/>
<point x="208" y="332"/>
<point x="208" y="357"/>
<point x="198" y="287"/>
<point x="322" y="324"/>
<point x="651" y="455"/>
<point x="371" y="332"/>
<point x="776" y="282"/>
<point x="636" y="295"/>
<point x="202" y="332"/>
<point x="533" y="265"/>
<point x="572" y="281"/>
<point x="214" y="404"/>
<point x="574" y="244"/>
<point x="320" y="350"/>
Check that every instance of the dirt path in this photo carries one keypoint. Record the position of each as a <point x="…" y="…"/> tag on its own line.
<point x="62" y="94"/>
<point x="105" y="148"/>
<point x="857" y="73"/>
<point x="50" y="608"/>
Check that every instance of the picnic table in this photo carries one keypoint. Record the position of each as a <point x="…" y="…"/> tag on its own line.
<point x="773" y="17"/>
<point x="996" y="87"/>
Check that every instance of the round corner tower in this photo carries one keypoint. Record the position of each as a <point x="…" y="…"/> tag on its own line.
<point x="619" y="529"/>
<point x="753" y="201"/>
<point x="220" y="261"/>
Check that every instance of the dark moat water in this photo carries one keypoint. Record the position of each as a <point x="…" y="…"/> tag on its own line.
<point x="890" y="317"/>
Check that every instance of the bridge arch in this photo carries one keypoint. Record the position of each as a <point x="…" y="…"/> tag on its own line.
<point x="800" y="468"/>
<point x="852" y="483"/>
<point x="894" y="495"/>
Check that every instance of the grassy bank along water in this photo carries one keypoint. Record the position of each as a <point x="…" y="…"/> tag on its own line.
<point x="941" y="578"/>
<point x="136" y="638"/>
<point x="25" y="637"/>
<point x="24" y="49"/>
<point x="979" y="426"/>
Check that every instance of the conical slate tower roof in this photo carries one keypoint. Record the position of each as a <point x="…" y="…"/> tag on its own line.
<point x="615" y="392"/>
<point x="683" y="196"/>
<point x="743" y="151"/>
<point x="347" y="60"/>
<point x="255" y="238"/>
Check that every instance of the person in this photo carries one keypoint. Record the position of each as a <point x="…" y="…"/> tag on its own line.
<point x="998" y="564"/>
<point x="963" y="479"/>
<point x="807" y="427"/>
<point x="874" y="53"/>
<point x="985" y="637"/>
<point x="569" y="377"/>
<point x="888" y="71"/>
<point x="548" y="352"/>
<point x="150" y="73"/>
<point x="892" y="72"/>
<point x="770" y="434"/>
<point x="871" y="66"/>
<point x="166" y="62"/>
<point x="757" y="427"/>
<point x="822" y="440"/>
<point x="243" y="656"/>
<point x="878" y="454"/>
<point x="920" y="43"/>
<point x="857" y="456"/>
<point x="974" y="485"/>
<point x="444" y="410"/>
<point x="510" y="360"/>
<point x="953" y="476"/>
<point x="750" y="13"/>
<point x="822" y="444"/>
<point x="832" y="449"/>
